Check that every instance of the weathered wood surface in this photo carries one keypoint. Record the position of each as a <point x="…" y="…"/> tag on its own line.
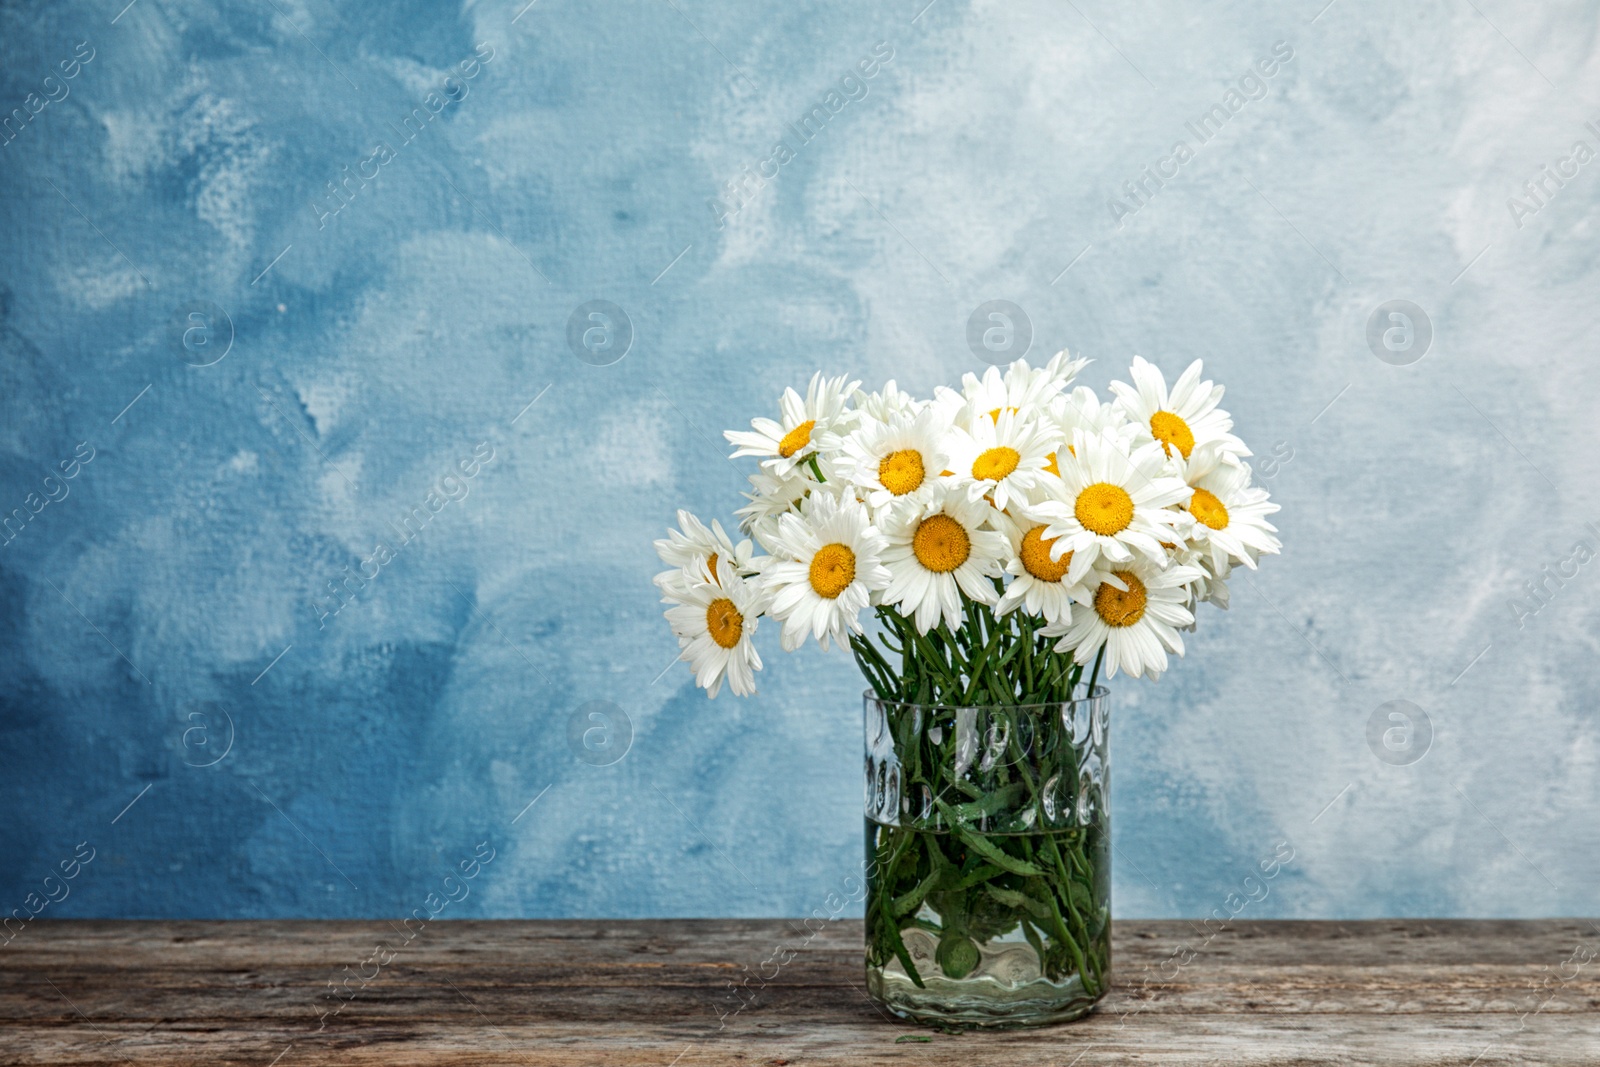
<point x="657" y="992"/>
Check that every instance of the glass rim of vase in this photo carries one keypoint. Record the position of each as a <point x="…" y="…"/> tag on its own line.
<point x="1100" y="692"/>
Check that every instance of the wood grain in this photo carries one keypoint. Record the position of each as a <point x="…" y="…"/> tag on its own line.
<point x="564" y="993"/>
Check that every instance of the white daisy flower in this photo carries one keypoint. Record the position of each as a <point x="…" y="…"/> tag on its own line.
<point x="1182" y="420"/>
<point x="696" y="549"/>
<point x="1044" y="386"/>
<point x="1021" y="389"/>
<point x="1230" y="516"/>
<point x="714" y="622"/>
<point x="1041" y="584"/>
<point x="773" y="497"/>
<point x="807" y="426"/>
<point x="827" y="566"/>
<point x="887" y="405"/>
<point x="899" y="459"/>
<point x="1212" y="585"/>
<point x="938" y="551"/>
<point x="1002" y="459"/>
<point x="1135" y="614"/>
<point x="1119" y="503"/>
<point x="1082" y="410"/>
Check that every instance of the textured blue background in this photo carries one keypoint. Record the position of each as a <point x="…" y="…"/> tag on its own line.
<point x="375" y="346"/>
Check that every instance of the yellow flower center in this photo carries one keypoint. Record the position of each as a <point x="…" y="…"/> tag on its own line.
<point x="1120" y="607"/>
<point x="901" y="472"/>
<point x="1172" y="432"/>
<point x="1104" y="509"/>
<point x="799" y="437"/>
<point x="1208" y="509"/>
<point x="724" y="622"/>
<point x="1051" y="466"/>
<point x="995" y="464"/>
<point x="711" y="566"/>
<point x="833" y="568"/>
<point x="941" y="544"/>
<point x="994" y="416"/>
<point x="1036" y="556"/>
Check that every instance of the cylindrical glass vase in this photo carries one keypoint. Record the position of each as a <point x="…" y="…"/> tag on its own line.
<point x="988" y="852"/>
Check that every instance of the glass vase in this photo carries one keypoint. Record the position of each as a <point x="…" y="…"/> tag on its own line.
<point x="988" y="854"/>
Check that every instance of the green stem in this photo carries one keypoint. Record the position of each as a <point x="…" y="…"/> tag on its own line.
<point x="975" y="857"/>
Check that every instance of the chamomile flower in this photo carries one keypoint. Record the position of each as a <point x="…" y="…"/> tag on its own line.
<point x="1002" y="459"/>
<point x="1134" y="615"/>
<point x="899" y="459"/>
<point x="938" y="551"/>
<point x="1045" y="387"/>
<point x="1183" y="419"/>
<point x="714" y="622"/>
<point x="807" y="425"/>
<point x="887" y="405"/>
<point x="1119" y="504"/>
<point x="1109" y="523"/>
<point x="773" y="496"/>
<point x="1025" y="389"/>
<point x="827" y="565"/>
<point x="1021" y="389"/>
<point x="696" y="549"/>
<point x="1230" y="516"/>
<point x="1082" y="410"/>
<point x="1041" y="584"/>
<point x="1212" y="585"/>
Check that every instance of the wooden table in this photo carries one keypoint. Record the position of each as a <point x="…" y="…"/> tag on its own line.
<point x="658" y="993"/>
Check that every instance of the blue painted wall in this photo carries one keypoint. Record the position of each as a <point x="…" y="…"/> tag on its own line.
<point x="382" y="218"/>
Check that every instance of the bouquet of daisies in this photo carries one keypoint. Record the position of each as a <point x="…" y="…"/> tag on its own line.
<point x="1005" y="536"/>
